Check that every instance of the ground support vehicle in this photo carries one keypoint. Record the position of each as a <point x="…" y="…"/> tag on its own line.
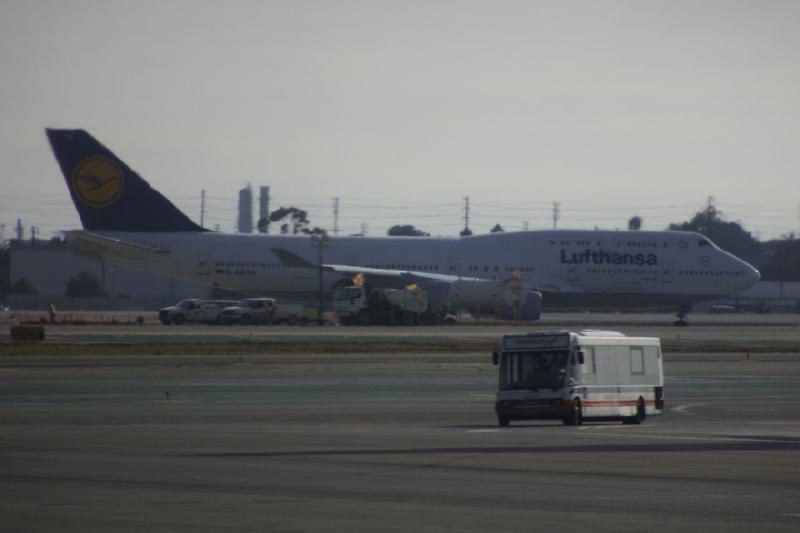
<point x="194" y="310"/>
<point x="359" y="306"/>
<point x="579" y="375"/>
<point x="295" y="314"/>
<point x="250" y="311"/>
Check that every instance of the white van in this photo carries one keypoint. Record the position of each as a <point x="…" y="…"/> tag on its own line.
<point x="579" y="375"/>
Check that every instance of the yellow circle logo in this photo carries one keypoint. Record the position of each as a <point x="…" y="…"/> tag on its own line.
<point x="97" y="181"/>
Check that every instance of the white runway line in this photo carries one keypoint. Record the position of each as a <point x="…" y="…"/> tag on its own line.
<point x="681" y="409"/>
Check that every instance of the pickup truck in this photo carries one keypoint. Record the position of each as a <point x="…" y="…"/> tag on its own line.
<point x="193" y="310"/>
<point x="249" y="311"/>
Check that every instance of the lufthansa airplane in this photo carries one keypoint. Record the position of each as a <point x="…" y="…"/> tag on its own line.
<point x="128" y="223"/>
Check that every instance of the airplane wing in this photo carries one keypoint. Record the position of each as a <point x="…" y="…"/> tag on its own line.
<point x="406" y="276"/>
<point x="97" y="246"/>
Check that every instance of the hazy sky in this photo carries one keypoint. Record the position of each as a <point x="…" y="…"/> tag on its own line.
<point x="404" y="108"/>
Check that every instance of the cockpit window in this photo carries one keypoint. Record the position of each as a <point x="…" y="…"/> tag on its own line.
<point x="703" y="242"/>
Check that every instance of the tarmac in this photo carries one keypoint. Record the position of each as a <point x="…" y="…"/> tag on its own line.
<point x="400" y="440"/>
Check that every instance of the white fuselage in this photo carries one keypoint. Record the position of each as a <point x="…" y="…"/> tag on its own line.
<point x="570" y="267"/>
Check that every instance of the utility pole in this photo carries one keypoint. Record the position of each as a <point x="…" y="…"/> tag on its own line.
<point x="202" y="208"/>
<point x="19" y="230"/>
<point x="320" y="241"/>
<point x="556" y="214"/>
<point x="466" y="230"/>
<point x="525" y="226"/>
<point x="34" y="229"/>
<point x="363" y="229"/>
<point x="336" y="216"/>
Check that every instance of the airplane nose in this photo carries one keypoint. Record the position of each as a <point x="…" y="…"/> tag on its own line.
<point x="753" y="275"/>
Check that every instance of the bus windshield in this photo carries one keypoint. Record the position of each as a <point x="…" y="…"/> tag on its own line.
<point x="533" y="370"/>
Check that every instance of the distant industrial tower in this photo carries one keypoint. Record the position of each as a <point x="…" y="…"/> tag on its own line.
<point x="246" y="209"/>
<point x="263" y="208"/>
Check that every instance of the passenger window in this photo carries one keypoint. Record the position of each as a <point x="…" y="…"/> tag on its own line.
<point x="637" y="361"/>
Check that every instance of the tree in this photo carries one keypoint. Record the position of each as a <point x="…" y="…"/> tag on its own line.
<point x="85" y="286"/>
<point x="783" y="260"/>
<point x="635" y="223"/>
<point x="730" y="236"/>
<point x="291" y="219"/>
<point x="315" y="231"/>
<point x="22" y="286"/>
<point x="263" y="225"/>
<point x="497" y="228"/>
<point x="406" y="230"/>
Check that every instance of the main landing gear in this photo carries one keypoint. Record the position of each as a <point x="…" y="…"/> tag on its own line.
<point x="681" y="315"/>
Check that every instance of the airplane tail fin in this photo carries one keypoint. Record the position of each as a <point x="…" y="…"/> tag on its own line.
<point x="108" y="195"/>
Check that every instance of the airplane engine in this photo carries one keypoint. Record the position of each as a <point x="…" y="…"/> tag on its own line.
<point x="509" y="296"/>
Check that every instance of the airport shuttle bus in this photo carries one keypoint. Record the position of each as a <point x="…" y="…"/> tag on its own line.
<point x="574" y="376"/>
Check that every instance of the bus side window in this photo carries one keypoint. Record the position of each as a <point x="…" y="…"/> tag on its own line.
<point x="588" y="361"/>
<point x="637" y="361"/>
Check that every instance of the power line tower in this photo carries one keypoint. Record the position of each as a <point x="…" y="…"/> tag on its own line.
<point x="336" y="216"/>
<point x="556" y="214"/>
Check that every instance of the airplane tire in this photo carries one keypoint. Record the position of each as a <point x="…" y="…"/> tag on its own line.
<point x="428" y="318"/>
<point x="503" y="421"/>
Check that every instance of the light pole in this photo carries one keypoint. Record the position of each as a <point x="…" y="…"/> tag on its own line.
<point x="320" y="241"/>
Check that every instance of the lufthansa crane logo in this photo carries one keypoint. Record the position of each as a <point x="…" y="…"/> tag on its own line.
<point x="97" y="181"/>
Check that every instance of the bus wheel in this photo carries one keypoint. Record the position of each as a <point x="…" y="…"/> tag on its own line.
<point x="363" y="318"/>
<point x="503" y="421"/>
<point x="640" y="415"/>
<point x="575" y="416"/>
<point x="292" y="320"/>
<point x="179" y="319"/>
<point x="244" y="320"/>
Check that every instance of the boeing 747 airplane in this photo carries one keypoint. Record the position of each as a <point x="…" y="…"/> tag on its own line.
<point x="128" y="223"/>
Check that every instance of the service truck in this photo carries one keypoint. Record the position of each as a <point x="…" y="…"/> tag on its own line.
<point x="194" y="310"/>
<point x="358" y="305"/>
<point x="294" y="314"/>
<point x="579" y="375"/>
